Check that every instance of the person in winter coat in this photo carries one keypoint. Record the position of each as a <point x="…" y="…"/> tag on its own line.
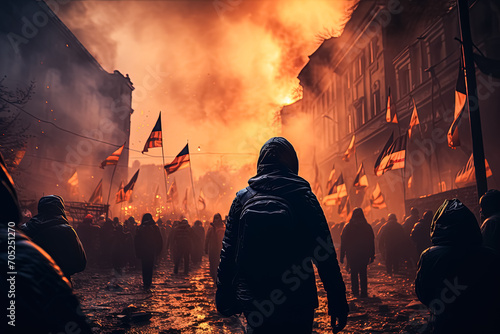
<point x="358" y="245"/>
<point x="411" y="220"/>
<point x="106" y="243"/>
<point x="199" y="243"/>
<point x="88" y="233"/>
<point x="283" y="298"/>
<point x="44" y="302"/>
<point x="421" y="233"/>
<point x="213" y="244"/>
<point x="181" y="245"/>
<point x="490" y="211"/>
<point x="148" y="245"/>
<point x="50" y="230"/>
<point x="458" y="277"/>
<point x="119" y="249"/>
<point x="392" y="238"/>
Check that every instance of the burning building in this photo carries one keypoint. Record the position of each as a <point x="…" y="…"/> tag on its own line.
<point x="406" y="52"/>
<point x="61" y="111"/>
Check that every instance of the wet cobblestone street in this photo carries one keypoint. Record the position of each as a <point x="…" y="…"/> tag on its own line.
<point x="185" y="304"/>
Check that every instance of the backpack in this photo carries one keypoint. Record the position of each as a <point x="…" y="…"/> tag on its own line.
<point x="267" y="235"/>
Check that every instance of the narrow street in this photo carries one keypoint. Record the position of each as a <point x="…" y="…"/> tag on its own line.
<point x="184" y="304"/>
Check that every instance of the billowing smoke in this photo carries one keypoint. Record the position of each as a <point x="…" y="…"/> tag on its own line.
<point x="218" y="70"/>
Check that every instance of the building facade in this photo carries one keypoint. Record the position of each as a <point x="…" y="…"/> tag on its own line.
<point x="410" y="51"/>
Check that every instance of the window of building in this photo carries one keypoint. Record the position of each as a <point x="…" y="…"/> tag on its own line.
<point x="373" y="50"/>
<point x="375" y="107"/>
<point x="436" y="49"/>
<point x="360" y="116"/>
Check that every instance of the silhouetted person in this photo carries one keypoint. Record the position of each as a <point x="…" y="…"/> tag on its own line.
<point x="120" y="248"/>
<point x="392" y="238"/>
<point x="490" y="211"/>
<point x="358" y="245"/>
<point x="88" y="233"/>
<point x="148" y="244"/>
<point x="199" y="242"/>
<point x="106" y="243"/>
<point x="421" y="233"/>
<point x="50" y="230"/>
<point x="44" y="301"/>
<point x="411" y="220"/>
<point x="181" y="243"/>
<point x="213" y="244"/>
<point x="275" y="230"/>
<point x="458" y="278"/>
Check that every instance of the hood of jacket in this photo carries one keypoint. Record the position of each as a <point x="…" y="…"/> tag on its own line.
<point x="455" y="225"/>
<point x="51" y="212"/>
<point x="277" y="169"/>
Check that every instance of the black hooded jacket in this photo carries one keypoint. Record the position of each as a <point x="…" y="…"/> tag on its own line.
<point x="457" y="277"/>
<point x="277" y="174"/>
<point x="148" y="241"/>
<point x="50" y="230"/>
<point x="357" y="240"/>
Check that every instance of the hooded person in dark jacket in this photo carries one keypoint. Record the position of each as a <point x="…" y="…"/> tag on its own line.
<point x="458" y="277"/>
<point x="358" y="245"/>
<point x="490" y="211"/>
<point x="148" y="245"/>
<point x="50" y="230"/>
<point x="43" y="301"/>
<point x="392" y="238"/>
<point x="421" y="233"/>
<point x="199" y="242"/>
<point x="181" y="241"/>
<point x="213" y="243"/>
<point x="283" y="302"/>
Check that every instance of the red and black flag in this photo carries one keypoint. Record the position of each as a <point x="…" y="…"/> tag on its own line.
<point x="329" y="183"/>
<point x="460" y="99"/>
<point x="377" y="200"/>
<point x="172" y="193"/>
<point x="351" y="149"/>
<point x="125" y="193"/>
<point x="73" y="184"/>
<point x="361" y="181"/>
<point x="336" y="192"/>
<point x="467" y="174"/>
<point x="344" y="207"/>
<point x="181" y="161"/>
<point x="155" y="138"/>
<point x="113" y="158"/>
<point x="390" y="115"/>
<point x="392" y="156"/>
<point x="414" y="121"/>
<point x="120" y="195"/>
<point x="96" y="196"/>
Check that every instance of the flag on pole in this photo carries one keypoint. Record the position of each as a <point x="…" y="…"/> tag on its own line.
<point x="329" y="183"/>
<point x="390" y="115"/>
<point x="113" y="158"/>
<point x="181" y="161"/>
<point x="337" y="191"/>
<point x="351" y="149"/>
<point x="344" y="207"/>
<point x="155" y="138"/>
<point x="73" y="183"/>
<point x="414" y="121"/>
<point x="172" y="193"/>
<point x="120" y="195"/>
<point x="185" y="201"/>
<point x="361" y="181"/>
<point x="377" y="200"/>
<point x="467" y="174"/>
<point x="317" y="186"/>
<point x="126" y="192"/>
<point x="392" y="156"/>
<point x="460" y="99"/>
<point x="96" y="196"/>
<point x="201" y="200"/>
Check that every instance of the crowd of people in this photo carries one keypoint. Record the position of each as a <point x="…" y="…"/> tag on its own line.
<point x="260" y="256"/>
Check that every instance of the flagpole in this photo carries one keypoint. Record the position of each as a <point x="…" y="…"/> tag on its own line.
<point x="403" y="170"/>
<point x="164" y="172"/>
<point x="192" y="185"/>
<point x="109" y="193"/>
<point x="471" y="84"/>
